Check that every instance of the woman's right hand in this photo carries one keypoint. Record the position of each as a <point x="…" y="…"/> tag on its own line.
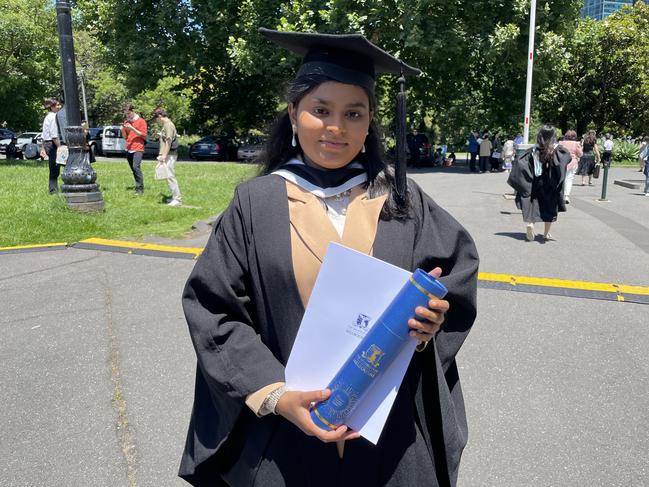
<point x="295" y="406"/>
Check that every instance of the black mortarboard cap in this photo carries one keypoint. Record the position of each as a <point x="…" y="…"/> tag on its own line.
<point x="348" y="58"/>
<point x="352" y="59"/>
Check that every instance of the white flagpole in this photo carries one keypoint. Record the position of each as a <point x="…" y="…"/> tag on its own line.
<point x="530" y="67"/>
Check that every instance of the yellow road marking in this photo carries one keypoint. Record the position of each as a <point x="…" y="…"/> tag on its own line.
<point x="38" y="246"/>
<point x="143" y="246"/>
<point x="619" y="289"/>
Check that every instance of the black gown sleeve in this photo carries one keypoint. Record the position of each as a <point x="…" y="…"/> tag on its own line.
<point x="232" y="359"/>
<point x="442" y="242"/>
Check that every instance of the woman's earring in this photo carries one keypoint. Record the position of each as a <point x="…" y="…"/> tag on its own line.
<point x="363" y="148"/>
<point x="293" y="141"/>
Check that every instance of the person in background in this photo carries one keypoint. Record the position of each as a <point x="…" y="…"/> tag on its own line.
<point x="538" y="177"/>
<point x="608" y="150"/>
<point x="61" y="121"/>
<point x="134" y="130"/>
<point x="169" y="153"/>
<point x="86" y="143"/>
<point x="51" y="142"/>
<point x="508" y="153"/>
<point x="643" y="153"/>
<point x="518" y="140"/>
<point x="496" y="153"/>
<point x="485" y="151"/>
<point x="646" y="173"/>
<point x="12" y="152"/>
<point x="571" y="143"/>
<point x="473" y="148"/>
<point x="590" y="157"/>
<point x="414" y="145"/>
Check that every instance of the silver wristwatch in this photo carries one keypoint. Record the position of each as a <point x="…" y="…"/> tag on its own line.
<point x="270" y="403"/>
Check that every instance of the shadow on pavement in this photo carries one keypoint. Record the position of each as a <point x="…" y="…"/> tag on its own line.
<point x="515" y="235"/>
<point x="457" y="169"/>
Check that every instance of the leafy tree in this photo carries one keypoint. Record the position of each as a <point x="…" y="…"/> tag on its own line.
<point x="170" y="95"/>
<point x="473" y="54"/>
<point x="601" y="79"/>
<point x="29" y="61"/>
<point x="106" y="91"/>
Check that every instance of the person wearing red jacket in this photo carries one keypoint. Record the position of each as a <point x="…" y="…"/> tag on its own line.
<point x="134" y="130"/>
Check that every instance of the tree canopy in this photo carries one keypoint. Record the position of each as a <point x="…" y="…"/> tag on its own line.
<point x="206" y="63"/>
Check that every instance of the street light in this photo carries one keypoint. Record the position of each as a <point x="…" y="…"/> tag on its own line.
<point x="82" y="78"/>
<point x="79" y="188"/>
<point x="530" y="70"/>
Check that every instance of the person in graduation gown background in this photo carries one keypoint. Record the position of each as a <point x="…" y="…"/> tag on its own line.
<point x="323" y="179"/>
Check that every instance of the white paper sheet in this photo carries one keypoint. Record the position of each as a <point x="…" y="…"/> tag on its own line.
<point x="350" y="293"/>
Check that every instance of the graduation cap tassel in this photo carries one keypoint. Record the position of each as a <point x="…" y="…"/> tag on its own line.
<point x="400" y="162"/>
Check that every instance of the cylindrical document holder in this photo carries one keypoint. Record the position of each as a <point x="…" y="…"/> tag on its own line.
<point x="376" y="351"/>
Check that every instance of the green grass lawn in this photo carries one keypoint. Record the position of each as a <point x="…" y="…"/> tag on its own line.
<point x="29" y="215"/>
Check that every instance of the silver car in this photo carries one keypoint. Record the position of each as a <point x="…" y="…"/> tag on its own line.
<point x="250" y="150"/>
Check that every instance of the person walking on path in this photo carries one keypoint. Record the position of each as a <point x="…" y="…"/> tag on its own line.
<point x="474" y="149"/>
<point x="134" y="130"/>
<point x="323" y="179"/>
<point x="485" y="151"/>
<point x="571" y="143"/>
<point x="508" y="154"/>
<point x="496" y="153"/>
<point x="538" y="177"/>
<point x="643" y="153"/>
<point x="51" y="142"/>
<point x="169" y="153"/>
<point x="415" y="142"/>
<point x="590" y="157"/>
<point x="646" y="173"/>
<point x="608" y="150"/>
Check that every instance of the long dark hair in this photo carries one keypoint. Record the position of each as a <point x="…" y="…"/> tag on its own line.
<point x="278" y="149"/>
<point x="546" y="139"/>
<point x="590" y="138"/>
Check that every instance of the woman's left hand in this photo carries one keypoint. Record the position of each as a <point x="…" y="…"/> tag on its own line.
<point x="429" y="319"/>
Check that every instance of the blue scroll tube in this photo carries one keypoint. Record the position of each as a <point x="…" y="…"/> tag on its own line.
<point x="376" y="351"/>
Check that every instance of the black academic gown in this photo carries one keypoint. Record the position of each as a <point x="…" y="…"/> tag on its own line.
<point x="243" y="309"/>
<point x="540" y="198"/>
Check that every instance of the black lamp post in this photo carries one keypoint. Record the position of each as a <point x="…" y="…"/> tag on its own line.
<point x="79" y="188"/>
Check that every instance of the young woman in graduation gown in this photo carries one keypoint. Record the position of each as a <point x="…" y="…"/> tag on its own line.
<point x="323" y="179"/>
<point x="538" y="178"/>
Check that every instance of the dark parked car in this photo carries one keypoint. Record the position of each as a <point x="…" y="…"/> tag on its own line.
<point x="6" y="134"/>
<point x="218" y="147"/>
<point x="94" y="140"/>
<point x="205" y="148"/>
<point x="151" y="147"/>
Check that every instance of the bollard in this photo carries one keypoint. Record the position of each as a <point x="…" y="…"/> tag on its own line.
<point x="606" y="164"/>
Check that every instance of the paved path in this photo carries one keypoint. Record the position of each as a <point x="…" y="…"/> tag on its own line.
<point x="97" y="366"/>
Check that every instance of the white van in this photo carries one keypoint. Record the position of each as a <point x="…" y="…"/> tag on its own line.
<point x="112" y="142"/>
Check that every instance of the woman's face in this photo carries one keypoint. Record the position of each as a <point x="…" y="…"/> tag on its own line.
<point x="331" y="123"/>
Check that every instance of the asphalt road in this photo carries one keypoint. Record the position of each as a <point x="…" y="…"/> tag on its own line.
<point x="97" y="366"/>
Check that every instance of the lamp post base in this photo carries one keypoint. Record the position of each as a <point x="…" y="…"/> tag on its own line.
<point x="86" y="202"/>
<point x="80" y="190"/>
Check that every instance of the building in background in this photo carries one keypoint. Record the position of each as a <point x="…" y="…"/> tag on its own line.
<point x="598" y="9"/>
